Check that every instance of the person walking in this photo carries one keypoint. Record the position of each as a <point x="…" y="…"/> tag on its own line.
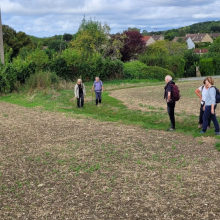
<point x="209" y="107"/>
<point x="80" y="93"/>
<point x="168" y="95"/>
<point x="201" y="93"/>
<point x="98" y="86"/>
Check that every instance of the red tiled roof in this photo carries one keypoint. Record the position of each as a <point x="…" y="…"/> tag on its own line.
<point x="146" y="38"/>
<point x="201" y="50"/>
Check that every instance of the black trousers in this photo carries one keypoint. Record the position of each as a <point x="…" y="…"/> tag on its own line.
<point x="201" y="115"/>
<point x="81" y="98"/>
<point x="170" y="110"/>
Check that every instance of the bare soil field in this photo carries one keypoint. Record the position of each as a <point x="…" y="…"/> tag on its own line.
<point x="58" y="167"/>
<point x="152" y="98"/>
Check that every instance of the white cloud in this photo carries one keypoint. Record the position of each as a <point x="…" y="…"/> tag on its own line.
<point x="50" y="17"/>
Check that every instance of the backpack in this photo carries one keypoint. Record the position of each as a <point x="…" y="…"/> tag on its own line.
<point x="217" y="97"/>
<point x="176" y="93"/>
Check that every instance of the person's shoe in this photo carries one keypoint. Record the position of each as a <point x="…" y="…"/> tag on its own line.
<point x="200" y="126"/>
<point x="201" y="132"/>
<point x="171" y="129"/>
<point x="217" y="133"/>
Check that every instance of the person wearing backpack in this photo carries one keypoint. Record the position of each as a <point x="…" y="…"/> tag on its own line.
<point x="209" y="107"/>
<point x="171" y="94"/>
<point x="201" y="93"/>
<point x="98" y="86"/>
<point x="80" y="92"/>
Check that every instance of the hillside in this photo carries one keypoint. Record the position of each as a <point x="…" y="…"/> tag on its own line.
<point x="201" y="27"/>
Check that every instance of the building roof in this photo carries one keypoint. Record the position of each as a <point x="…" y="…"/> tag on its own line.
<point x="146" y="38"/>
<point x="176" y="39"/>
<point x="157" y="37"/>
<point x="197" y="37"/>
<point x="215" y="35"/>
<point x="199" y="51"/>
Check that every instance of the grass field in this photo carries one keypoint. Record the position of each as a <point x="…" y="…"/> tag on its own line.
<point x="114" y="161"/>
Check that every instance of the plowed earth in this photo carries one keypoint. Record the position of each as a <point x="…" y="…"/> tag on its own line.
<point x="58" y="167"/>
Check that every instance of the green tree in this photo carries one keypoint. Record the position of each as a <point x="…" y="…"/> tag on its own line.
<point x="134" y="29"/>
<point x="91" y="36"/>
<point x="67" y="37"/>
<point x="39" y="58"/>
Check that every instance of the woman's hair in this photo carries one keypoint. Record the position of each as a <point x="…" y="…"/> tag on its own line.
<point x="210" y="80"/>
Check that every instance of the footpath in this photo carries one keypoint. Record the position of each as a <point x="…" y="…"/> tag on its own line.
<point x="197" y="78"/>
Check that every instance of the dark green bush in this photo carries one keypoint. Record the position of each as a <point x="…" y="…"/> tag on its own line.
<point x="59" y="66"/>
<point x="138" y="70"/>
<point x="206" y="67"/>
<point x="8" y="78"/>
<point x="173" y="63"/>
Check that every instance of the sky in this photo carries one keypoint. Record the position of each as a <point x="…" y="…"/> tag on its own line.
<point x="44" y="18"/>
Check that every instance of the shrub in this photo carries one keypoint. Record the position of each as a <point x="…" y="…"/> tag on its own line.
<point x="173" y="63"/>
<point x="42" y="80"/>
<point x="60" y="67"/>
<point x="133" y="69"/>
<point x="138" y="70"/>
<point x="8" y="78"/>
<point x="206" y="67"/>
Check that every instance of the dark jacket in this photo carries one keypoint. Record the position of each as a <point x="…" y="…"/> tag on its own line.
<point x="168" y="88"/>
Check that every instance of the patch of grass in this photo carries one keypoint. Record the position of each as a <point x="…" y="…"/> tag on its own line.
<point x="111" y="110"/>
<point x="217" y="146"/>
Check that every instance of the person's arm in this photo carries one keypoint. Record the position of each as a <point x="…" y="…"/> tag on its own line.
<point x="75" y="91"/>
<point x="168" y="96"/>
<point x="102" y="88"/>
<point x="198" y="93"/>
<point x="212" y="93"/>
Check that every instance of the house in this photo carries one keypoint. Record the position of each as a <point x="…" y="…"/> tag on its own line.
<point x="215" y="35"/>
<point x="200" y="38"/>
<point x="200" y="51"/>
<point x="148" y="40"/>
<point x="188" y="40"/>
<point x="158" y="37"/>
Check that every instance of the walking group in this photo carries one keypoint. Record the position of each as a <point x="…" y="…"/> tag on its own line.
<point x="209" y="96"/>
<point x="80" y="91"/>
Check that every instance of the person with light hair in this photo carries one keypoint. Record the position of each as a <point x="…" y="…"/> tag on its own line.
<point x="80" y="93"/>
<point x="209" y="107"/>
<point x="168" y="95"/>
<point x="98" y="86"/>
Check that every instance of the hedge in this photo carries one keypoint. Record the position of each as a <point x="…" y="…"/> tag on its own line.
<point x="138" y="70"/>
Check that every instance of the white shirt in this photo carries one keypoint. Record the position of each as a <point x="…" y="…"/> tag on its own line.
<point x="204" y="92"/>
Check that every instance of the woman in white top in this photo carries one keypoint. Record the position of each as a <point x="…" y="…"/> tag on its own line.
<point x="201" y="93"/>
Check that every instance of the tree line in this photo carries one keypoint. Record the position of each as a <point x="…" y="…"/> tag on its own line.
<point x="93" y="51"/>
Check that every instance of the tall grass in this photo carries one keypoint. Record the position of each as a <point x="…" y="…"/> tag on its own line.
<point x="41" y="81"/>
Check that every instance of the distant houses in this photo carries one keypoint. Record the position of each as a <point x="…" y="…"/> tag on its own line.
<point x="215" y="35"/>
<point x="152" y="39"/>
<point x="148" y="40"/>
<point x="200" y="38"/>
<point x="200" y="51"/>
<point x="187" y="40"/>
<point x="158" y="37"/>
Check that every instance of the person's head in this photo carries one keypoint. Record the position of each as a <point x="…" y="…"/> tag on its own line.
<point x="97" y="79"/>
<point x="209" y="81"/>
<point x="168" y="78"/>
<point x="79" y="81"/>
<point x="206" y="86"/>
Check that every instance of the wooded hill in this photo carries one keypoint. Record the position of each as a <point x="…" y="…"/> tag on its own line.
<point x="201" y="27"/>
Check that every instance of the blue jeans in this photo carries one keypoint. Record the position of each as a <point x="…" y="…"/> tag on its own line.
<point x="207" y="114"/>
<point x="98" y="96"/>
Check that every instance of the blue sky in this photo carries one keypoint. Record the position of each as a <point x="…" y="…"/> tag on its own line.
<point x="43" y="18"/>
